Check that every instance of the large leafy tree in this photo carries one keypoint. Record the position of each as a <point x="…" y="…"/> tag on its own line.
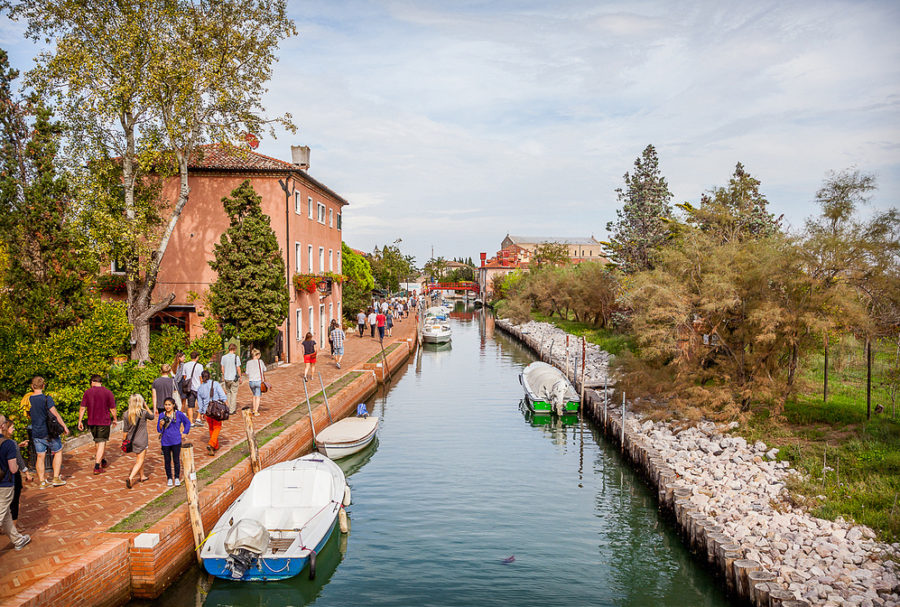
<point x="356" y="292"/>
<point x="249" y="293"/>
<point x="642" y="224"/>
<point x="390" y="266"/>
<point x="735" y="212"/>
<point x="550" y="254"/>
<point x="49" y="266"/>
<point x="143" y="84"/>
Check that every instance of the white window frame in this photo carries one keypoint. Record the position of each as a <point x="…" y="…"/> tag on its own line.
<point x="322" y="328"/>
<point x="298" y="203"/>
<point x="114" y="267"/>
<point x="298" y="257"/>
<point x="321" y="209"/>
<point x="309" y="250"/>
<point x="331" y="260"/>
<point x="330" y="218"/>
<point x="309" y="205"/>
<point x="330" y="312"/>
<point x="340" y="267"/>
<point x="299" y="324"/>
<point x="312" y="319"/>
<point x="321" y="259"/>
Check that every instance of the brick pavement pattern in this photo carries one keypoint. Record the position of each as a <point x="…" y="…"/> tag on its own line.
<point x="67" y="522"/>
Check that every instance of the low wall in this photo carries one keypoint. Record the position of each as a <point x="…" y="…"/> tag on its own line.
<point x="744" y="579"/>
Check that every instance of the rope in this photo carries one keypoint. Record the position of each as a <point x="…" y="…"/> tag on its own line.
<point x="212" y="533"/>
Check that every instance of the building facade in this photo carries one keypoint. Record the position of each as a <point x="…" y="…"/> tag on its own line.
<point x="580" y="249"/>
<point x="306" y="217"/>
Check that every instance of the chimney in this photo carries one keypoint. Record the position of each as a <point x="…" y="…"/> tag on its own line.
<point x="300" y="156"/>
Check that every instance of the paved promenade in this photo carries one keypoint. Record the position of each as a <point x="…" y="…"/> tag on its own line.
<point x="70" y="522"/>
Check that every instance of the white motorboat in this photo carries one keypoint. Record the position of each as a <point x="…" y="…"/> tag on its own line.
<point x="279" y="523"/>
<point x="547" y="390"/>
<point x="347" y="436"/>
<point x="435" y="331"/>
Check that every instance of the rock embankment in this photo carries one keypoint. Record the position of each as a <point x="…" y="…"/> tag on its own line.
<point x="731" y="503"/>
<point x="550" y="344"/>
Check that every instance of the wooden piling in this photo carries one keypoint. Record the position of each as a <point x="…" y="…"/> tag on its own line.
<point x="583" y="364"/>
<point x="247" y="414"/>
<point x="189" y="473"/>
<point x="779" y="596"/>
<point x="794" y="603"/>
<point x="742" y="569"/>
<point x="759" y="587"/>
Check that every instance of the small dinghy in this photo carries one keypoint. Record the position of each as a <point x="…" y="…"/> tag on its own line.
<point x="276" y="527"/>
<point x="347" y="436"/>
<point x="547" y="390"/>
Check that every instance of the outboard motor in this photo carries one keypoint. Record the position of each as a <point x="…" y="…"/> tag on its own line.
<point x="558" y="397"/>
<point x="245" y="543"/>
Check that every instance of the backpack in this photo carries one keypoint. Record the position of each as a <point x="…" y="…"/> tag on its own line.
<point x="54" y="428"/>
<point x="187" y="381"/>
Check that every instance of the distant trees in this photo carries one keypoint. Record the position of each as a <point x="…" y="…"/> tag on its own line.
<point x="642" y="224"/>
<point x="356" y="293"/>
<point x="550" y="254"/>
<point x="249" y="293"/>
<point x="390" y="266"/>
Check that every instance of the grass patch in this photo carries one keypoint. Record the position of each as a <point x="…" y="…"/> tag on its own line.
<point x="851" y="462"/>
<point x="156" y="510"/>
<point x="606" y="339"/>
<point x="388" y="350"/>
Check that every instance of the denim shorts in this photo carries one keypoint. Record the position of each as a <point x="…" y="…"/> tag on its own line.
<point x="254" y="388"/>
<point x="42" y="445"/>
<point x="339" y="350"/>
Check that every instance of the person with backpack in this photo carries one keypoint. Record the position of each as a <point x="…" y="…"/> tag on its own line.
<point x="212" y="399"/>
<point x="172" y="424"/>
<point x="9" y="466"/>
<point x="190" y="383"/>
<point x="47" y="426"/>
<point x="135" y="428"/>
<point x="7" y="433"/>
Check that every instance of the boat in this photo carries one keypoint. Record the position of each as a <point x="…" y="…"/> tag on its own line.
<point x="278" y="525"/>
<point x="435" y="331"/>
<point x="347" y="436"/>
<point x="436" y="313"/>
<point x="547" y="391"/>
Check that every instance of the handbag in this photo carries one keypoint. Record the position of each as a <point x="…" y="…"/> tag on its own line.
<point x="217" y="410"/>
<point x="54" y="428"/>
<point x="187" y="381"/>
<point x="264" y="386"/>
<point x="127" y="444"/>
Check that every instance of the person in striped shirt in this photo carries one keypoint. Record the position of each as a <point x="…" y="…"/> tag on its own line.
<point x="337" y="340"/>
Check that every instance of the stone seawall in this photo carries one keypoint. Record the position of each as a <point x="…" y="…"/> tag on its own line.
<point x="728" y="502"/>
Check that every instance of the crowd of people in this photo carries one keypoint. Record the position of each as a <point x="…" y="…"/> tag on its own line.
<point x="181" y="397"/>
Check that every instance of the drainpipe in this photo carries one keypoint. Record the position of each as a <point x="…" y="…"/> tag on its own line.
<point x="287" y="254"/>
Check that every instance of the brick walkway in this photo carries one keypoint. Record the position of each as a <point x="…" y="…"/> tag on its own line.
<point x="67" y="522"/>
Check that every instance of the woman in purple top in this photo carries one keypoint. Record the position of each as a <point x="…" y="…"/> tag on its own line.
<point x="170" y="425"/>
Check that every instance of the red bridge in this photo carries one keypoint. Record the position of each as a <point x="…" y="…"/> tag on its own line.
<point x="467" y="285"/>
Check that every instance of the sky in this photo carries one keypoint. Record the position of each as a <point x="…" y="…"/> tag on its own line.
<point x="448" y="125"/>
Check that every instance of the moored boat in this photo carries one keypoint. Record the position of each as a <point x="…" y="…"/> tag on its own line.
<point x="276" y="527"/>
<point x="436" y="331"/>
<point x="347" y="436"/>
<point x="547" y="390"/>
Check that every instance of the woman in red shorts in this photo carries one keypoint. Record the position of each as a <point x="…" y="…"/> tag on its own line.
<point x="309" y="356"/>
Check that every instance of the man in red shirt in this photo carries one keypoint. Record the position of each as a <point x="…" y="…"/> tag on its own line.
<point x="100" y="405"/>
<point x="380" y="320"/>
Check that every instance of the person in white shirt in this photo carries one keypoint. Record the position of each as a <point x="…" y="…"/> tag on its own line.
<point x="231" y="376"/>
<point x="191" y="373"/>
<point x="372" y="321"/>
<point x="255" y="370"/>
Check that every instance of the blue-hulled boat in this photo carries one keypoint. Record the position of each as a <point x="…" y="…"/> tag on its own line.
<point x="278" y="525"/>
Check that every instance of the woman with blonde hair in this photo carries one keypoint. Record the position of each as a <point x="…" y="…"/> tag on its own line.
<point x="256" y="374"/>
<point x="135" y="428"/>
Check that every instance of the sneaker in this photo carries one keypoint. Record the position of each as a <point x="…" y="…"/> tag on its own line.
<point x="97" y="469"/>
<point x="58" y="482"/>
<point x="209" y="450"/>
<point x="22" y="542"/>
<point x="177" y="482"/>
<point x="169" y="483"/>
<point x="44" y="484"/>
<point x="128" y="483"/>
<point x="338" y="365"/>
<point x="103" y="463"/>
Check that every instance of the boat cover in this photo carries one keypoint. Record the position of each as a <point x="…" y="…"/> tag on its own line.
<point x="248" y="534"/>
<point x="547" y="383"/>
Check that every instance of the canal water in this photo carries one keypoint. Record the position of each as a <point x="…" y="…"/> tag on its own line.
<point x="466" y="500"/>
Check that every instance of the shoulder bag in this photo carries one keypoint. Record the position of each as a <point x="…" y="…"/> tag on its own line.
<point x="264" y="386"/>
<point x="187" y="381"/>
<point x="54" y="428"/>
<point x="216" y="409"/>
<point x="127" y="444"/>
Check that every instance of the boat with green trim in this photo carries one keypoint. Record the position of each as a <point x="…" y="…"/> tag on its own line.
<point x="548" y="391"/>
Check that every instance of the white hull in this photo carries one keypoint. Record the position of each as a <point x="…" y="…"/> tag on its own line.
<point x="436" y="339"/>
<point x="347" y="436"/>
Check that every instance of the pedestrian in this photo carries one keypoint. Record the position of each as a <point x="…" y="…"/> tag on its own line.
<point x="8" y="469"/>
<point x="177" y="373"/>
<point x="172" y="425"/>
<point x="7" y="433"/>
<point x="384" y="306"/>
<point x="361" y="322"/>
<point x="372" y="318"/>
<point x="42" y="407"/>
<point x="135" y="428"/>
<point x="389" y="322"/>
<point x="231" y="375"/>
<point x="331" y="327"/>
<point x="256" y="370"/>
<point x="100" y="405"/>
<point x="209" y="391"/>
<point x="337" y="342"/>
<point x="190" y="381"/>
<point x="309" y="356"/>
<point x="163" y="388"/>
<point x="380" y="320"/>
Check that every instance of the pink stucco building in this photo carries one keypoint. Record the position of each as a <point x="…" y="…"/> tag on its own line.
<point x="305" y="214"/>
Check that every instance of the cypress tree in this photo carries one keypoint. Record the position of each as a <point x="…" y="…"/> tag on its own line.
<point x="250" y="292"/>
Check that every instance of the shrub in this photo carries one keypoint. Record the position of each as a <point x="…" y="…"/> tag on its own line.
<point x="166" y="342"/>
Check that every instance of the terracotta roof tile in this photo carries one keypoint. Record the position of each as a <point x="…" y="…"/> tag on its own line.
<point x="214" y="156"/>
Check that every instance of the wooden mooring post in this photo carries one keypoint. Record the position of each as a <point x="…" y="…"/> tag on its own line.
<point x="247" y="414"/>
<point x="623" y="421"/>
<point x="189" y="473"/>
<point x="567" y="356"/>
